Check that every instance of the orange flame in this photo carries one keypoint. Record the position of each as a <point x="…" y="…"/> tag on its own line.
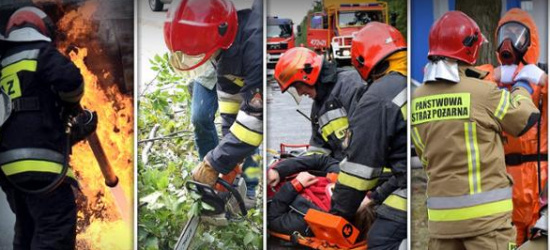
<point x="100" y="225"/>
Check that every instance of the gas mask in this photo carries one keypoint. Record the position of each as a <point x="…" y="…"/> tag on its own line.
<point x="513" y="40"/>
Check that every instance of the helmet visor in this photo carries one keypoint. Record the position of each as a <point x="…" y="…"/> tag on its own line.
<point x="517" y="33"/>
<point x="183" y="62"/>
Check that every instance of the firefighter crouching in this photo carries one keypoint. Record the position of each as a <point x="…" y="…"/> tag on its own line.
<point x="457" y="122"/>
<point x="44" y="87"/>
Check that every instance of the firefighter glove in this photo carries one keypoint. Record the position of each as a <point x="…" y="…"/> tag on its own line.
<point x="205" y="173"/>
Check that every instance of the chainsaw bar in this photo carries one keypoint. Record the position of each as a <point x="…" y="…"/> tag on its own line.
<point x="187" y="234"/>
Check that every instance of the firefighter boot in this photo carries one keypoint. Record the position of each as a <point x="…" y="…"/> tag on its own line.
<point x="205" y="173"/>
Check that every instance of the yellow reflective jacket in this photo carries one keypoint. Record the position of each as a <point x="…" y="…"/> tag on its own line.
<point x="457" y="134"/>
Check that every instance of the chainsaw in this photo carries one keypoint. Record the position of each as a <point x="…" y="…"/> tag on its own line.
<point x="226" y="199"/>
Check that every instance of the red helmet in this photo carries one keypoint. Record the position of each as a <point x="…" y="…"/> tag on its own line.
<point x="29" y="24"/>
<point x="372" y="44"/>
<point x="455" y="35"/>
<point x="195" y="29"/>
<point x="298" y="65"/>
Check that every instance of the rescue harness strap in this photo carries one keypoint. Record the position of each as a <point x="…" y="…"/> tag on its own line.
<point x="513" y="160"/>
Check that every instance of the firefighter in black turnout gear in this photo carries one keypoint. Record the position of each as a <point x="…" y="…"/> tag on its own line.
<point x="233" y="41"/>
<point x="331" y="89"/>
<point x="377" y="137"/>
<point x="44" y="87"/>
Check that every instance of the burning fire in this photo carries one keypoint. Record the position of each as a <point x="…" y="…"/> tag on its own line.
<point x="100" y="225"/>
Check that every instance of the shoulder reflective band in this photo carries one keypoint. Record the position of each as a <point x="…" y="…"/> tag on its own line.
<point x="10" y="80"/>
<point x="440" y="107"/>
<point x="503" y="104"/>
<point x="469" y="200"/>
<point x="356" y="182"/>
<point x="246" y="135"/>
<point x="386" y="170"/>
<point x="73" y="96"/>
<point x="338" y="127"/>
<point x="401" y="98"/>
<point x="229" y="103"/>
<point x="474" y="172"/>
<point x="396" y="202"/>
<point x="236" y="80"/>
<point x="26" y="54"/>
<point x="24" y="166"/>
<point x="250" y="122"/>
<point x="359" y="170"/>
<point x="331" y="115"/>
<point x="473" y="212"/>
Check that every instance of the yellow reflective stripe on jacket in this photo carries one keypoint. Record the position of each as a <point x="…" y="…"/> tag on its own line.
<point x="440" y="107"/>
<point x="473" y="212"/>
<point x="503" y="104"/>
<point x="396" y="202"/>
<point x="24" y="65"/>
<point x="474" y="168"/>
<point x="229" y="107"/>
<point x="10" y="81"/>
<point x="356" y="182"/>
<point x="34" y="166"/>
<point x="404" y="112"/>
<point x="338" y="127"/>
<point x="416" y="139"/>
<point x="246" y="135"/>
<point x="386" y="170"/>
<point x="236" y="80"/>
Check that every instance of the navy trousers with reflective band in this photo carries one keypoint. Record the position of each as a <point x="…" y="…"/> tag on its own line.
<point x="43" y="221"/>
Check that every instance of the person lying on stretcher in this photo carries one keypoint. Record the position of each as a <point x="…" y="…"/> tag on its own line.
<point x="302" y="183"/>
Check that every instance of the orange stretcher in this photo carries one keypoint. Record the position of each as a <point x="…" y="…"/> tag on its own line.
<point x="331" y="233"/>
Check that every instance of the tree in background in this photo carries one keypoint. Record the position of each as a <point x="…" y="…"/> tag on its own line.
<point x="486" y="14"/>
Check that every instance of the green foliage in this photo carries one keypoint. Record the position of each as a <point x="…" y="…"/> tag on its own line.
<point x="164" y="204"/>
<point x="399" y="7"/>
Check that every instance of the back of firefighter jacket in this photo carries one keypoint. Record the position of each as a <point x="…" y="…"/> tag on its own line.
<point x="456" y="132"/>
<point x="41" y="83"/>
<point x="377" y="137"/>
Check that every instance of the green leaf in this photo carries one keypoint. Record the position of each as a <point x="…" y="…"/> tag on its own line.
<point x="248" y="238"/>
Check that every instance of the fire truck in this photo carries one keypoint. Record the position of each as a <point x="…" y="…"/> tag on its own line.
<point x="331" y="30"/>
<point x="280" y="38"/>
